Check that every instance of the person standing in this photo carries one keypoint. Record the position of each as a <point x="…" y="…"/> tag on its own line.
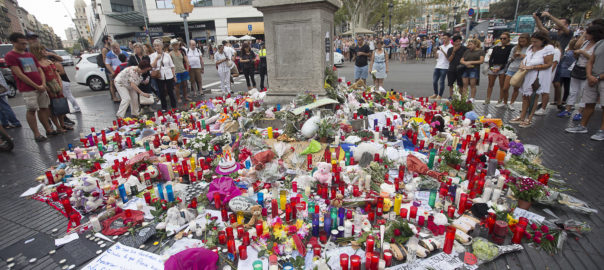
<point x="111" y="62"/>
<point x="404" y="42"/>
<point x="538" y="78"/>
<point x="262" y="65"/>
<point x="181" y="64"/>
<point x="497" y="63"/>
<point x="53" y="84"/>
<point x="31" y="82"/>
<point x="442" y="67"/>
<point x="514" y="60"/>
<point x="360" y="65"/>
<point x="66" y="88"/>
<point x="195" y="57"/>
<point x="594" y="90"/>
<point x="247" y="60"/>
<point x="561" y="25"/>
<point x="424" y="48"/>
<point x="568" y="59"/>
<point x="472" y="58"/>
<point x="222" y="59"/>
<point x="7" y="115"/>
<point x="379" y="64"/>
<point x="454" y="55"/>
<point x="126" y="83"/>
<point x="162" y="63"/>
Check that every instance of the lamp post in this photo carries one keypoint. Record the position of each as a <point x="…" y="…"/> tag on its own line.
<point x="383" y="17"/>
<point x="455" y="8"/>
<point x="390" y="6"/>
<point x="427" y="24"/>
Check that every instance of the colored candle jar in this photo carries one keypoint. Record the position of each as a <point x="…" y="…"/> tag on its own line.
<point x="431" y="158"/>
<point x="403" y="213"/>
<point x="316" y="251"/>
<point x="229" y="233"/>
<point x="413" y="212"/>
<point x="240" y="218"/>
<point x="283" y="199"/>
<point x="257" y="265"/>
<point x="344" y="261"/>
<point x="54" y="196"/>
<point x="462" y="203"/>
<point x="309" y="162"/>
<point x="388" y="257"/>
<point x="123" y="195"/>
<point x="315" y="225"/>
<point x="67" y="205"/>
<point x="397" y="203"/>
<point x="432" y="200"/>
<point x="269" y="132"/>
<point x="368" y="256"/>
<point x="449" y="239"/>
<point x="369" y="244"/>
<point x="375" y="261"/>
<point x="518" y="234"/>
<point x="327" y="224"/>
<point x="274" y="208"/>
<point x="259" y="228"/>
<point x="240" y="231"/>
<point x="217" y="201"/>
<point x="224" y="214"/>
<point x="231" y="246"/>
<point x="355" y="262"/>
<point x="50" y="178"/>
<point x="451" y="211"/>
<point x="246" y="238"/>
<point x="170" y="193"/>
<point x="243" y="252"/>
<point x="420" y="220"/>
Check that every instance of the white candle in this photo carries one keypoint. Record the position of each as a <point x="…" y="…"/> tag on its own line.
<point x="486" y="194"/>
<point x="96" y="224"/>
<point x="368" y="182"/>
<point x="139" y="205"/>
<point x="496" y="195"/>
<point x="500" y="182"/>
<point x="307" y="190"/>
<point x="347" y="228"/>
<point x="382" y="265"/>
<point x="457" y="197"/>
<point x="376" y="135"/>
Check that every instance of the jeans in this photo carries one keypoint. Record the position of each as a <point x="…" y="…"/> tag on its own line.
<point x="439" y="75"/>
<point x="249" y="76"/>
<point x="471" y="73"/>
<point x="155" y="86"/>
<point x="262" y="75"/>
<point x="7" y="116"/>
<point x="360" y="72"/>
<point x="166" y="87"/>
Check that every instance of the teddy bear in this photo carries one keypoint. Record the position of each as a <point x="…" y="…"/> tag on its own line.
<point x="338" y="200"/>
<point x="256" y="211"/>
<point x="323" y="173"/>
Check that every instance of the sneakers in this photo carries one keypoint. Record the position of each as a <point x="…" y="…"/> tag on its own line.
<point x="499" y="105"/>
<point x="564" y="113"/>
<point x="541" y="111"/>
<point x="577" y="117"/>
<point x="577" y="129"/>
<point x="599" y="136"/>
<point x="486" y="101"/>
<point x="510" y="107"/>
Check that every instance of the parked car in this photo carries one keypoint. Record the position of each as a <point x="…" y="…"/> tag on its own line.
<point x="67" y="58"/>
<point x="8" y="74"/>
<point x="338" y="58"/>
<point x="90" y="74"/>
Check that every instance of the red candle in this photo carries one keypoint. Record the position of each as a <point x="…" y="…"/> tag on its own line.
<point x="449" y="239"/>
<point x="309" y="162"/>
<point x="518" y="234"/>
<point x="50" y="177"/>
<point x="420" y="220"/>
<point x="224" y="214"/>
<point x="288" y="212"/>
<point x="368" y="256"/>
<point x="274" y="208"/>
<point x="462" y="203"/>
<point x="128" y="213"/>
<point x="55" y="196"/>
<point x="344" y="261"/>
<point x="388" y="257"/>
<point x="243" y="252"/>
<point x="403" y="213"/>
<point x="355" y="191"/>
<point x="421" y="144"/>
<point x="246" y="238"/>
<point x="451" y="211"/>
<point x="371" y="216"/>
<point x="295" y="187"/>
<point x="259" y="228"/>
<point x="217" y="200"/>
<point x="229" y="233"/>
<point x="222" y="237"/>
<point x="413" y="212"/>
<point x="355" y="262"/>
<point x="231" y="246"/>
<point x="316" y="250"/>
<point x="67" y="206"/>
<point x="375" y="261"/>
<point x="240" y="232"/>
<point x="369" y="244"/>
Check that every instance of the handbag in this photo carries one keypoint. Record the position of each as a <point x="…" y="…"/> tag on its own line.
<point x="146" y="100"/>
<point x="578" y="73"/>
<point x="156" y="74"/>
<point x="536" y="84"/>
<point x="59" y="106"/>
<point x="518" y="78"/>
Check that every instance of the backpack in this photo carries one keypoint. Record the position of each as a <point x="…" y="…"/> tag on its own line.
<point x="99" y="60"/>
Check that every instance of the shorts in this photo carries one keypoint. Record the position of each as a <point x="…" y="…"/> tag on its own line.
<point x="592" y="93"/>
<point x="500" y="72"/>
<point x="557" y="75"/>
<point x="35" y="100"/>
<point x="471" y="73"/>
<point x="387" y="50"/>
<point x="510" y="72"/>
<point x="394" y="49"/>
<point x="360" y="72"/>
<point x="453" y="76"/>
<point x="182" y="77"/>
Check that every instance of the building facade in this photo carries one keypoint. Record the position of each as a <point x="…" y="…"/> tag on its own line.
<point x="71" y="33"/>
<point x="9" y="19"/>
<point x="81" y="21"/>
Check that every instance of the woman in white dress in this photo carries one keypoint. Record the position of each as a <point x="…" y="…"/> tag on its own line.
<point x="224" y="70"/>
<point x="538" y="63"/>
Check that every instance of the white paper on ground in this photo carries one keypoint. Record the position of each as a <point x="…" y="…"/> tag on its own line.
<point x="132" y="205"/>
<point x="334" y="255"/>
<point x="527" y="214"/>
<point x="123" y="257"/>
<point x="440" y="261"/>
<point x="66" y="239"/>
<point x="252" y="256"/>
<point x="32" y="190"/>
<point x="127" y="153"/>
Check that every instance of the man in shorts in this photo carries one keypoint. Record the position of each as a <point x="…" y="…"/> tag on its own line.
<point x="454" y="55"/>
<point x="593" y="92"/>
<point x="361" y="66"/>
<point x="31" y="83"/>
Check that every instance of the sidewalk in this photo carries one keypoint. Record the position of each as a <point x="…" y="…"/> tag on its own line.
<point x="579" y="160"/>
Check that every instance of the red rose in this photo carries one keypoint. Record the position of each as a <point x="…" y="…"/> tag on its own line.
<point x="397" y="232"/>
<point x="544" y="229"/>
<point x="549" y="237"/>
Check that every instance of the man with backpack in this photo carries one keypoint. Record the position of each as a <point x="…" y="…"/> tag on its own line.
<point x="194" y="55"/>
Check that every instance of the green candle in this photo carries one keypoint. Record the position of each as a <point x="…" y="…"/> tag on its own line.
<point x="203" y="123"/>
<point x="432" y="201"/>
<point x="431" y="159"/>
<point x="347" y="158"/>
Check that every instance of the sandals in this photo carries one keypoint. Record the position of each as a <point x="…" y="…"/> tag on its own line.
<point x="516" y="121"/>
<point x="52" y="133"/>
<point x="40" y="138"/>
<point x="66" y="127"/>
<point x="526" y="124"/>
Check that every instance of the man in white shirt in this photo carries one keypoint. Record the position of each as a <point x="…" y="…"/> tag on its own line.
<point x="230" y="53"/>
<point x="442" y="66"/>
<point x="196" y="62"/>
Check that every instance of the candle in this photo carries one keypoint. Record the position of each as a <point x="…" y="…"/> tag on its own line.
<point x="431" y="158"/>
<point x="242" y="252"/>
<point x="420" y="220"/>
<point x="283" y="198"/>
<point x="269" y="131"/>
<point x="347" y="228"/>
<point x="369" y="244"/>
<point x="413" y="212"/>
<point x="403" y="213"/>
<point x="397" y="203"/>
<point x="486" y="195"/>
<point x="355" y="262"/>
<point x="217" y="200"/>
<point x="449" y="239"/>
<point x="50" y="178"/>
<point x="316" y="250"/>
<point x="451" y="211"/>
<point x="462" y="203"/>
<point x="240" y="217"/>
<point x="432" y="200"/>
<point x="123" y="195"/>
<point x="375" y="261"/>
<point x="518" y="234"/>
<point x="170" y="193"/>
<point x="67" y="206"/>
<point x="309" y="162"/>
<point x="96" y="225"/>
<point x="344" y="261"/>
<point x="496" y="195"/>
<point x="231" y="246"/>
<point x="246" y="238"/>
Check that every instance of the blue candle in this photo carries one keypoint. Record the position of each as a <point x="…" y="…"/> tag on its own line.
<point x="452" y="190"/>
<point x="315" y="225"/>
<point x="248" y="164"/>
<point x="341" y="215"/>
<point x="170" y="193"/>
<point x="70" y="147"/>
<point x="375" y="122"/>
<point x="261" y="199"/>
<point x="327" y="224"/>
<point x="160" y="190"/>
<point x="123" y="195"/>
<point x="278" y="107"/>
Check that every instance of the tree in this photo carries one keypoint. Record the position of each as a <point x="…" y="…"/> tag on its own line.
<point x="572" y="9"/>
<point x="83" y="41"/>
<point x="360" y="12"/>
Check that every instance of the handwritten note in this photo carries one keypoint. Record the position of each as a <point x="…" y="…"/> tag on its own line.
<point x="124" y="257"/>
<point x="440" y="261"/>
<point x="527" y="214"/>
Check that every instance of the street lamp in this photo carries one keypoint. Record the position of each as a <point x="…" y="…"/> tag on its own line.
<point x="390" y="6"/>
<point x="383" y="17"/>
<point x="455" y="8"/>
<point x="427" y="23"/>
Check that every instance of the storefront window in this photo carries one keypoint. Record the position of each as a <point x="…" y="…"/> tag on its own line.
<point x="205" y="3"/>
<point x="164" y="3"/>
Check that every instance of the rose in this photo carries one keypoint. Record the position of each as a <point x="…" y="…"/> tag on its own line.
<point x="537" y="240"/>
<point x="538" y="234"/>
<point x="549" y="237"/>
<point x="397" y="232"/>
<point x="544" y="229"/>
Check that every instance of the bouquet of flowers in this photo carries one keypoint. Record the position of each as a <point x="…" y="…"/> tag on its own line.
<point x="525" y="188"/>
<point x="200" y="143"/>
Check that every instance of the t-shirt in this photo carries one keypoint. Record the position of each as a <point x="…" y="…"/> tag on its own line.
<point x="178" y="60"/>
<point x="563" y="38"/>
<point x="28" y="65"/>
<point x="598" y="53"/>
<point x="248" y="65"/>
<point x="473" y="55"/>
<point x="458" y="55"/>
<point x="441" y="61"/>
<point x="229" y="51"/>
<point x="499" y="56"/>
<point x="127" y="76"/>
<point x="404" y="42"/>
<point x="164" y="65"/>
<point x="112" y="59"/>
<point x="193" y="55"/>
<point x="361" y="60"/>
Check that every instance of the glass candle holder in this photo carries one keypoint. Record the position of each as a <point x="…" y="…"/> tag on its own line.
<point x="355" y="262"/>
<point x="449" y="239"/>
<point x="217" y="201"/>
<point x="344" y="261"/>
<point x="369" y="244"/>
<point x="222" y="237"/>
<point x="388" y="257"/>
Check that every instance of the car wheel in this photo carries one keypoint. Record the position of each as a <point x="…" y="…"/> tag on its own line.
<point x="12" y="90"/>
<point x="95" y="83"/>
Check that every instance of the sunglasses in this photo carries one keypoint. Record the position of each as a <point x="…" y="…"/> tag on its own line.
<point x="504" y="38"/>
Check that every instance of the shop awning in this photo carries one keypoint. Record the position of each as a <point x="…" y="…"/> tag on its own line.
<point x="240" y="29"/>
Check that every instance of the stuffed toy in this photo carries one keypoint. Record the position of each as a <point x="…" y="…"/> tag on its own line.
<point x="338" y="200"/>
<point x="260" y="159"/>
<point x="323" y="173"/>
<point x="256" y="216"/>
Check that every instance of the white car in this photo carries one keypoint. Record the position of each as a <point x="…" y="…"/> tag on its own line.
<point x="67" y="58"/>
<point x="338" y="58"/>
<point x="89" y="73"/>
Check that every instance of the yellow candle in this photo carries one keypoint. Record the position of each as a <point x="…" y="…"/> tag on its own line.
<point x="387" y="205"/>
<point x="192" y="160"/>
<point x="240" y="218"/>
<point x="397" y="203"/>
<point x="269" y="130"/>
<point x="283" y="199"/>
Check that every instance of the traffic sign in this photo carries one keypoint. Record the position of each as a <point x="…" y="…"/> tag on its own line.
<point x="249" y="27"/>
<point x="471" y="12"/>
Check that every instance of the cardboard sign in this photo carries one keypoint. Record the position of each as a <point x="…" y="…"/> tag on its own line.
<point x="123" y="257"/>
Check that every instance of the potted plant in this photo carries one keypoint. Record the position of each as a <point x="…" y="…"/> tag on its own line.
<point x="326" y="129"/>
<point x="526" y="190"/>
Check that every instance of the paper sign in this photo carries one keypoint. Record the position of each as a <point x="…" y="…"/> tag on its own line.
<point x="440" y="261"/>
<point x="529" y="215"/>
<point x="66" y="239"/>
<point x="123" y="257"/>
<point x="316" y="104"/>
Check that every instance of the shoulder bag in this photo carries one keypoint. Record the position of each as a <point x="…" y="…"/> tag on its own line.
<point x="146" y="100"/>
<point x="156" y="74"/>
<point x="536" y="84"/>
<point x="59" y="106"/>
<point x="518" y="78"/>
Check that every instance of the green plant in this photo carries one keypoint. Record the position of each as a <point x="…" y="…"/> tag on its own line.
<point x="525" y="188"/>
<point x="460" y="102"/>
<point x="326" y="128"/>
<point x="451" y="156"/>
<point x="331" y="78"/>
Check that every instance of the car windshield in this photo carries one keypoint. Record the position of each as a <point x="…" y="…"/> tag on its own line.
<point x="4" y="50"/>
<point x="62" y="53"/>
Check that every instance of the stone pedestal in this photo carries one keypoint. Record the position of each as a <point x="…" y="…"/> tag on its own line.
<point x="298" y="36"/>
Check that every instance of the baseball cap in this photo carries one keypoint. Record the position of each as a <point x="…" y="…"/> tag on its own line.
<point x="31" y="35"/>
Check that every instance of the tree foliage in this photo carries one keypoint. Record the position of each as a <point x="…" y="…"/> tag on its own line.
<point x="368" y="13"/>
<point x="573" y="9"/>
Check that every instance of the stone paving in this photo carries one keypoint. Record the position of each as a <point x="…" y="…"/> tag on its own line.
<point x="579" y="161"/>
